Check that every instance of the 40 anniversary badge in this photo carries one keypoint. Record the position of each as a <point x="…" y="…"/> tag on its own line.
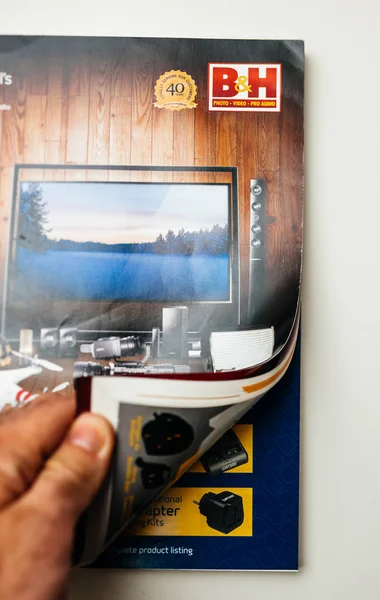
<point x="175" y="90"/>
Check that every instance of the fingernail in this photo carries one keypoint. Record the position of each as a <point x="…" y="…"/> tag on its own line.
<point x="87" y="433"/>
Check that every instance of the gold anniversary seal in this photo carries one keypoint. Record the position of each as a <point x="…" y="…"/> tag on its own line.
<point x="175" y="90"/>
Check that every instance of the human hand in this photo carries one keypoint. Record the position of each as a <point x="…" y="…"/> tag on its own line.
<point x="50" y="469"/>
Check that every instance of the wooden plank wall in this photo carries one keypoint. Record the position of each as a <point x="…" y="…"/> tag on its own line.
<point x="95" y="107"/>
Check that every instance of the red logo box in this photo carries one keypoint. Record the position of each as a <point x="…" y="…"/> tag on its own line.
<point x="245" y="86"/>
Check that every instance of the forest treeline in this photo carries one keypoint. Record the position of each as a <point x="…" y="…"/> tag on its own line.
<point x="33" y="234"/>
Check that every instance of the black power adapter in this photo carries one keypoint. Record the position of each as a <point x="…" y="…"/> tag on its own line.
<point x="224" y="511"/>
<point x="167" y="434"/>
<point x="153" y="475"/>
<point x="226" y="454"/>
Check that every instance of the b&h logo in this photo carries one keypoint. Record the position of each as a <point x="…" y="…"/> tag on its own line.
<point x="247" y="87"/>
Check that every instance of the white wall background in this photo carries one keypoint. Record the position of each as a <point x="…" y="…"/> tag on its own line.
<point x="340" y="520"/>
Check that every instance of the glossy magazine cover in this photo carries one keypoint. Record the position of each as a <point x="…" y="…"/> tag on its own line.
<point x="151" y="199"/>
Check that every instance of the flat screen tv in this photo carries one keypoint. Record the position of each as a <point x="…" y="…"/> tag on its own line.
<point x="107" y="255"/>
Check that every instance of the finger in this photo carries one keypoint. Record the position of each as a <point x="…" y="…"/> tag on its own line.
<point x="73" y="474"/>
<point x="27" y="436"/>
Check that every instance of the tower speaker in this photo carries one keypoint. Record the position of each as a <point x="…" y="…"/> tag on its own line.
<point x="174" y="332"/>
<point x="257" y="248"/>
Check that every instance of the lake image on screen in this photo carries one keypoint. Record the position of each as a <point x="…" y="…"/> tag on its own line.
<point x="123" y="241"/>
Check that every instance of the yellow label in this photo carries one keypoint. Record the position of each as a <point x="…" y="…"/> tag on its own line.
<point x="135" y="433"/>
<point x="175" y="90"/>
<point x="175" y="513"/>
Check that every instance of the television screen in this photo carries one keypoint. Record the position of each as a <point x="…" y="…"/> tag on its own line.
<point x="123" y="241"/>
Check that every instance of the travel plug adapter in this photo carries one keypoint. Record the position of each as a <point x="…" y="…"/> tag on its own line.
<point x="225" y="455"/>
<point x="224" y="511"/>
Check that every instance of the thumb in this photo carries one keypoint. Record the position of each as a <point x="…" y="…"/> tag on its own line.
<point x="73" y="474"/>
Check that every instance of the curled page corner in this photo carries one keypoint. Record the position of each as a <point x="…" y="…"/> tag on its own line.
<point x="163" y="426"/>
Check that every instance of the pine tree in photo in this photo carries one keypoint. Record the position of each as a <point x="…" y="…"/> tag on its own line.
<point x="170" y="241"/>
<point x="180" y="243"/>
<point x="208" y="242"/>
<point x="32" y="218"/>
<point x="159" y="246"/>
<point x="189" y="243"/>
<point x="219" y="240"/>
